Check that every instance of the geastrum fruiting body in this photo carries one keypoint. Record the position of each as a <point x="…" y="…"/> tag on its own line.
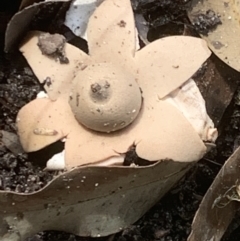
<point x="115" y="97"/>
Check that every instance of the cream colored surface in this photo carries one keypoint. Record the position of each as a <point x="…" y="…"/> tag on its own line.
<point x="45" y="67"/>
<point x="105" y="98"/>
<point x="160" y="131"/>
<point x="111" y="36"/>
<point x="168" y="63"/>
<point x="42" y="122"/>
<point x="167" y="140"/>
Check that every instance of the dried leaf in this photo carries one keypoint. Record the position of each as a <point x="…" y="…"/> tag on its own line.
<point x="88" y="201"/>
<point x="218" y="208"/>
<point x="217" y="83"/>
<point x="224" y="39"/>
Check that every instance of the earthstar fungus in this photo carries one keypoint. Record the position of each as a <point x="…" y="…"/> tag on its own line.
<point x="113" y="97"/>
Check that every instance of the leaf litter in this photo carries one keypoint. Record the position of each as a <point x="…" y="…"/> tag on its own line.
<point x="219" y="204"/>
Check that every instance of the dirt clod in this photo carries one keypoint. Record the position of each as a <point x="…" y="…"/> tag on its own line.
<point x="53" y="45"/>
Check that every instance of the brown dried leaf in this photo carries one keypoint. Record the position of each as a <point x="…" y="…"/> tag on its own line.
<point x="88" y="201"/>
<point x="216" y="209"/>
<point x="224" y="39"/>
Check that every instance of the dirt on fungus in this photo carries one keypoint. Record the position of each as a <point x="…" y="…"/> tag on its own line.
<point x="170" y="219"/>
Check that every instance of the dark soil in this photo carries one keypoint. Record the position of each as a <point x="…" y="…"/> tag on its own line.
<point x="168" y="220"/>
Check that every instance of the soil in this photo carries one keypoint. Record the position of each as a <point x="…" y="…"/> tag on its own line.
<point x="170" y="219"/>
